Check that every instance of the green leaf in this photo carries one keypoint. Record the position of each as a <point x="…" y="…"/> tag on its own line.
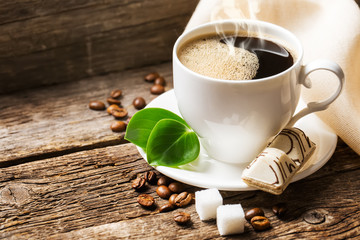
<point x="171" y="143"/>
<point x="142" y="123"/>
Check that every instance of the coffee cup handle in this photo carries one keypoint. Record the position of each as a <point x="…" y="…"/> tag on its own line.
<point x="322" y="105"/>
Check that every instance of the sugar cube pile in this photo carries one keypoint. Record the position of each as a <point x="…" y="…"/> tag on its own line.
<point x="230" y="219"/>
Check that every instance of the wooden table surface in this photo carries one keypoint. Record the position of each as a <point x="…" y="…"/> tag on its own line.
<point x="65" y="175"/>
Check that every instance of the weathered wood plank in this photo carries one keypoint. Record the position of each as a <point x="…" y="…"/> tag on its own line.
<point x="53" y="119"/>
<point x="87" y="195"/>
<point x="12" y="11"/>
<point x="45" y="43"/>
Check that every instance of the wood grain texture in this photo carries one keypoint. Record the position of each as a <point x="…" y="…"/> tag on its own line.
<point x="47" y="42"/>
<point x="65" y="175"/>
<point x="88" y="195"/>
<point x="54" y="119"/>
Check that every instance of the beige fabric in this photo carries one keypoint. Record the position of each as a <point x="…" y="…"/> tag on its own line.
<point x="328" y="29"/>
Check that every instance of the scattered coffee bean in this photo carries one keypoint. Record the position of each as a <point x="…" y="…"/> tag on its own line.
<point x="279" y="209"/>
<point x="112" y="101"/>
<point x="163" y="191"/>
<point x="183" y="199"/>
<point x="260" y="223"/>
<point x="119" y="112"/>
<point x="164" y="181"/>
<point x="192" y="197"/>
<point x="112" y="108"/>
<point x="138" y="184"/>
<point x="150" y="177"/>
<point x="157" y="89"/>
<point x="182" y="217"/>
<point x="160" y="80"/>
<point x="176" y="187"/>
<point x="172" y="199"/>
<point x="139" y="103"/>
<point x="118" y="126"/>
<point x="96" y="105"/>
<point x="116" y="93"/>
<point x="145" y="200"/>
<point x="166" y="208"/>
<point x="253" y="212"/>
<point x="151" y="77"/>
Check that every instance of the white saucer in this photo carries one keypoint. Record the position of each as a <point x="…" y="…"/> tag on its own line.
<point x="209" y="173"/>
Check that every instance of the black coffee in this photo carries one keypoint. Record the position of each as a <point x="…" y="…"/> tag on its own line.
<point x="234" y="57"/>
<point x="273" y="58"/>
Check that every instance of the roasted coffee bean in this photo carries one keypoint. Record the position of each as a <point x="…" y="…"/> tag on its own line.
<point x="96" y="105"/>
<point x="279" y="209"/>
<point x="160" y="80"/>
<point x="112" y="108"/>
<point x="182" y="217"/>
<point x="164" y="181"/>
<point x="150" y="177"/>
<point x="253" y="212"/>
<point x="260" y="223"/>
<point x="157" y="89"/>
<point x="163" y="191"/>
<point x="145" y="200"/>
<point x="138" y="184"/>
<point x="118" y="126"/>
<point x="151" y="77"/>
<point x="176" y="187"/>
<point x="192" y="197"/>
<point x="166" y="208"/>
<point x="119" y="112"/>
<point x="139" y="103"/>
<point x="116" y="93"/>
<point x="172" y="199"/>
<point x="183" y="199"/>
<point x="112" y="101"/>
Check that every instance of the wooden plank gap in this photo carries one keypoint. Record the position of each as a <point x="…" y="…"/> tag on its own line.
<point x="52" y="154"/>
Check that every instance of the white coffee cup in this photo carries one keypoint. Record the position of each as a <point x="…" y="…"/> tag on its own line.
<point x="235" y="119"/>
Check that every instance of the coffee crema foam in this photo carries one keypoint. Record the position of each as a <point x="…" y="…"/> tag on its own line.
<point x="209" y="57"/>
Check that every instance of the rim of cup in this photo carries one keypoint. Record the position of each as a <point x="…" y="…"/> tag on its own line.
<point x="298" y="51"/>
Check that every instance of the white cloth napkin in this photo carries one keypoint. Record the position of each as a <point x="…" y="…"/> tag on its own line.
<point x="328" y="29"/>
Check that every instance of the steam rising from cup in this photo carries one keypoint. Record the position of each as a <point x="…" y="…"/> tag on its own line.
<point x="247" y="37"/>
<point x="229" y="10"/>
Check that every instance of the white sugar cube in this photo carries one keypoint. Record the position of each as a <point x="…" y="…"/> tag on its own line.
<point x="230" y="219"/>
<point x="206" y="203"/>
